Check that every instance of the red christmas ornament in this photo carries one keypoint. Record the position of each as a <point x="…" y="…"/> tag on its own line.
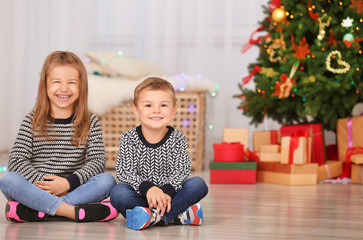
<point x="302" y="50"/>
<point x="358" y="4"/>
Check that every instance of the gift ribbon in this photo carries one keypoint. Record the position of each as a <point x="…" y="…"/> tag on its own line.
<point x="273" y="137"/>
<point x="327" y="170"/>
<point x="294" y="144"/>
<point x="350" y="130"/>
<point x="246" y="80"/>
<point x="251" y="156"/>
<point x="252" y="41"/>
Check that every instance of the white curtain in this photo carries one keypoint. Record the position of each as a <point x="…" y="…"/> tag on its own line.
<point x="181" y="36"/>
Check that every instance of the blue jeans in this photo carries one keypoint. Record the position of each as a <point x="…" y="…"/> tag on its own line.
<point x="16" y="187"/>
<point x="193" y="190"/>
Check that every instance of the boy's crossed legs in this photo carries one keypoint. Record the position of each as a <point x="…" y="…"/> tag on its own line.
<point x="184" y="207"/>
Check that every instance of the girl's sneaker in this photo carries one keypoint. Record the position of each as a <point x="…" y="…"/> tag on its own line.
<point x="192" y="216"/>
<point x="18" y="213"/>
<point x="141" y="217"/>
<point x="95" y="212"/>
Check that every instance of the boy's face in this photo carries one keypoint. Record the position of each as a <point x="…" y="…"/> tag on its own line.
<point x="155" y="109"/>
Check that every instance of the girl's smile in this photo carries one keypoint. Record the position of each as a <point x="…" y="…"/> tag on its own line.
<point x="63" y="90"/>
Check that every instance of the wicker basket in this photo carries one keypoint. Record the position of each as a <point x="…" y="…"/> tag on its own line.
<point x="190" y="120"/>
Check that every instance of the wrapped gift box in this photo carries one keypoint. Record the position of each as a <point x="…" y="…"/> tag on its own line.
<point x="228" y="152"/>
<point x="357" y="159"/>
<point x="287" y="174"/>
<point x="236" y="135"/>
<point x="331" y="169"/>
<point x="295" y="150"/>
<point x="270" y="153"/>
<point x="318" y="153"/>
<point x="349" y="134"/>
<point x="270" y="148"/>
<point x="265" y="137"/>
<point x="357" y="174"/>
<point x="233" y="172"/>
<point x="270" y="157"/>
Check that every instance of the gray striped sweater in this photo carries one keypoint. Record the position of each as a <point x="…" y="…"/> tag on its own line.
<point x="35" y="157"/>
<point x="143" y="165"/>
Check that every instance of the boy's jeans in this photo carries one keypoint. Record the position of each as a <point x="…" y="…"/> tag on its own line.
<point x="124" y="197"/>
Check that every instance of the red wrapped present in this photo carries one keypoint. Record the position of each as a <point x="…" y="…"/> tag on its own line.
<point x="233" y="172"/>
<point x="318" y="154"/>
<point x="228" y="152"/>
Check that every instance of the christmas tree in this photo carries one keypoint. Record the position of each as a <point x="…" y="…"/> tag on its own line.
<point x="309" y="69"/>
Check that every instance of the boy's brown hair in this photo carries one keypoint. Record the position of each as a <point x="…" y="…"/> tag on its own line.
<point x="154" y="83"/>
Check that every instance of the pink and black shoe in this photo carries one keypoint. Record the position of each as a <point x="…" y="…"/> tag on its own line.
<point x="96" y="212"/>
<point x="18" y="213"/>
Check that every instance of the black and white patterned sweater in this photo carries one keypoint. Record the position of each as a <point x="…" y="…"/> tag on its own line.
<point x="143" y="165"/>
<point x="35" y="157"/>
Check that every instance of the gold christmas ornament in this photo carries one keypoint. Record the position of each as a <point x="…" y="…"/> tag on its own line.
<point x="340" y="63"/>
<point x="278" y="43"/>
<point x="279" y="14"/>
<point x="323" y="25"/>
<point x="269" y="72"/>
<point x="286" y="87"/>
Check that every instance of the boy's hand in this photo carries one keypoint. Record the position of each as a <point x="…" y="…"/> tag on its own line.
<point x="58" y="186"/>
<point x="156" y="198"/>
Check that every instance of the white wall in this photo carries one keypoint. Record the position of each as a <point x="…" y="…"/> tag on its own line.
<point x="182" y="36"/>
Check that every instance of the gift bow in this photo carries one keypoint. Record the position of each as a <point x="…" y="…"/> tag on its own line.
<point x="347" y="164"/>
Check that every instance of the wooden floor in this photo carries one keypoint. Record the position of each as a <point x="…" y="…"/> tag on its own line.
<point x="253" y="211"/>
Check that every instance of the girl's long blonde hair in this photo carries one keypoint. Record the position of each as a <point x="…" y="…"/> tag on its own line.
<point x="42" y="111"/>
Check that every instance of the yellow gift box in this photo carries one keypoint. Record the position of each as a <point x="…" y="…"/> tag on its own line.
<point x="265" y="137"/>
<point x="295" y="150"/>
<point x="287" y="174"/>
<point x="331" y="169"/>
<point x="236" y="135"/>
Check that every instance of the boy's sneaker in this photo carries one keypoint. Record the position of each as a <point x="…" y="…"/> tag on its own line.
<point x="192" y="216"/>
<point x="141" y="217"/>
<point x="18" y="213"/>
<point x="95" y="212"/>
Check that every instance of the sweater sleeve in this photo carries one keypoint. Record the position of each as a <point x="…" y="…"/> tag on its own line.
<point x="126" y="164"/>
<point x="181" y="167"/>
<point x="95" y="156"/>
<point x="22" y="151"/>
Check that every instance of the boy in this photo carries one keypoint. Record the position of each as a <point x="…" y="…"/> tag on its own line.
<point x="153" y="165"/>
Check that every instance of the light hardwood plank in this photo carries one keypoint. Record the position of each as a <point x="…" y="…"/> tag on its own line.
<point x="231" y="211"/>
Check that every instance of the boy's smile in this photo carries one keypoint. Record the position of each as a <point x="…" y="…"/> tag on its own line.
<point x="155" y="109"/>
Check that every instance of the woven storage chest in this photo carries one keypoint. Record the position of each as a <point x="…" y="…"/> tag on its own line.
<point x="190" y="119"/>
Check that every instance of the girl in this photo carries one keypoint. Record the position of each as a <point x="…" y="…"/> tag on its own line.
<point x="57" y="162"/>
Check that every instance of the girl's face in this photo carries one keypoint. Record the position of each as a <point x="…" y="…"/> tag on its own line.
<point x="63" y="90"/>
<point x="155" y="109"/>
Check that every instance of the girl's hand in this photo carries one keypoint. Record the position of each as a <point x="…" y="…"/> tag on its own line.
<point x="157" y="199"/>
<point x="58" y="186"/>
